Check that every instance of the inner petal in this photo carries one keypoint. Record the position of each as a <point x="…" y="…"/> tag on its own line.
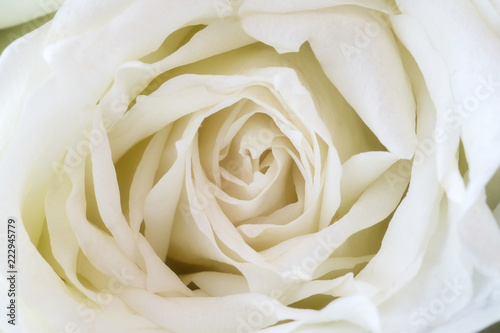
<point x="254" y="138"/>
<point x="254" y="163"/>
<point x="279" y="192"/>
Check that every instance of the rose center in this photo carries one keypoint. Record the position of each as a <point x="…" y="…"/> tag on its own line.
<point x="251" y="163"/>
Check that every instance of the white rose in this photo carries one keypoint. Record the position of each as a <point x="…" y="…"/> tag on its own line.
<point x="218" y="166"/>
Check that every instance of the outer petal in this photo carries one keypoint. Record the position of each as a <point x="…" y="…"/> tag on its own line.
<point x="283" y="6"/>
<point x="470" y="51"/>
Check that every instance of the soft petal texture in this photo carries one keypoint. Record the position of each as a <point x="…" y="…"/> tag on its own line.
<point x="281" y="6"/>
<point x="444" y="269"/>
<point x="475" y="81"/>
<point x="386" y="105"/>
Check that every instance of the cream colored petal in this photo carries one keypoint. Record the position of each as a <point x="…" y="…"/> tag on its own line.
<point x="132" y="77"/>
<point x="446" y="136"/>
<point x="414" y="222"/>
<point x="475" y="81"/>
<point x="360" y="171"/>
<point x="143" y="180"/>
<point x="217" y="284"/>
<point x="480" y="234"/>
<point x="160" y="203"/>
<point x="107" y="195"/>
<point x="466" y="299"/>
<point x="282" y="6"/>
<point x="93" y="241"/>
<point x="386" y="103"/>
<point x="374" y="205"/>
<point x="204" y="314"/>
<point x="489" y="13"/>
<point x="160" y="278"/>
<point x="353" y="314"/>
<point x="64" y="244"/>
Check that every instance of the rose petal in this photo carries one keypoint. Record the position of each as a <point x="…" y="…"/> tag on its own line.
<point x="217" y="284"/>
<point x="282" y="6"/>
<point x="387" y="104"/>
<point x="346" y="314"/>
<point x="107" y="195"/>
<point x="359" y="171"/>
<point x="475" y="82"/>
<point x="143" y="180"/>
<point x="94" y="242"/>
<point x="132" y="77"/>
<point x="64" y="244"/>
<point x="161" y="201"/>
<point x="203" y="314"/>
<point x="374" y="205"/>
